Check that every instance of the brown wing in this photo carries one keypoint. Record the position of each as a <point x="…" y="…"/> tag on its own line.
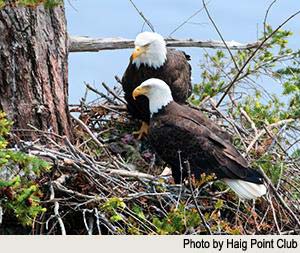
<point x="178" y="75"/>
<point x="201" y="146"/>
<point x="176" y="72"/>
<point x="199" y="118"/>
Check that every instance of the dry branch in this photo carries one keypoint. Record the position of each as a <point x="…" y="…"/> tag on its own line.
<point x="135" y="174"/>
<point x="87" y="44"/>
<point x="263" y="131"/>
<point x="89" y="176"/>
<point x="56" y="212"/>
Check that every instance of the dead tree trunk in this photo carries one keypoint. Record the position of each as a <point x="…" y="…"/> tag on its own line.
<point x="34" y="69"/>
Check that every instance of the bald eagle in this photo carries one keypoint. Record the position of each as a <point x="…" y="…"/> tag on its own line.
<point x="151" y="59"/>
<point x="179" y="133"/>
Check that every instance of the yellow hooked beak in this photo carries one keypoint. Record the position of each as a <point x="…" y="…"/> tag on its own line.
<point x="137" y="52"/>
<point x="140" y="90"/>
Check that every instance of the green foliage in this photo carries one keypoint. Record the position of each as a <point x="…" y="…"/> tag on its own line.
<point x="52" y="3"/>
<point x="274" y="68"/>
<point x="177" y="221"/>
<point x="138" y="211"/>
<point x="296" y="154"/>
<point x="273" y="168"/>
<point x="19" y="193"/>
<point x="112" y="207"/>
<point x="31" y="3"/>
<point x="212" y="82"/>
<point x="263" y="113"/>
<point x="182" y="219"/>
<point x="218" y="70"/>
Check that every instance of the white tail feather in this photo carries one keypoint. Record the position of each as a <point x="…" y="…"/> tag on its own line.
<point x="246" y="190"/>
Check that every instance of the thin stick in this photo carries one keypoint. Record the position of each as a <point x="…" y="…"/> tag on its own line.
<point x="187" y="20"/>
<point x="266" y="16"/>
<point x="253" y="54"/>
<point x="219" y="33"/>
<point x="208" y="230"/>
<point x="85" y="127"/>
<point x="134" y="174"/>
<point x="284" y="204"/>
<point x="99" y="93"/>
<point x="143" y="16"/>
<point x="113" y="93"/>
<point x="263" y="131"/>
<point x="274" y="214"/>
<point x="56" y="212"/>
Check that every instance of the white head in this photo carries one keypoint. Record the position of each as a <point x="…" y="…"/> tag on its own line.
<point x="150" y="49"/>
<point x="157" y="91"/>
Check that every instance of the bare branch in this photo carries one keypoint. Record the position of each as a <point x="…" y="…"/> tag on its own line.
<point x="187" y="20"/>
<point x="281" y="200"/>
<point x="263" y="131"/>
<point x="143" y="16"/>
<point x="134" y="174"/>
<point x="56" y="212"/>
<point x="219" y="33"/>
<point x="266" y="15"/>
<point x="1" y="214"/>
<point x="207" y="228"/>
<point x="84" y="126"/>
<point x="113" y="93"/>
<point x="87" y="44"/>
<point x="253" y="54"/>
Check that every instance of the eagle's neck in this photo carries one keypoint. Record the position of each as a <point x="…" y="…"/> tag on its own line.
<point x="159" y="103"/>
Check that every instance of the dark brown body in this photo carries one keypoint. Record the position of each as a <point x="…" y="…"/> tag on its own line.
<point x="176" y="72"/>
<point x="179" y="132"/>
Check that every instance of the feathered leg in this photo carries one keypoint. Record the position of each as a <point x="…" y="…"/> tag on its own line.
<point x="144" y="130"/>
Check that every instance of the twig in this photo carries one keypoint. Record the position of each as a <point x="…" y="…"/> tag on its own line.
<point x="274" y="213"/>
<point x="146" y="194"/>
<point x="181" y="178"/>
<point x="73" y="7"/>
<point x="266" y="16"/>
<point x="284" y="204"/>
<point x="253" y="54"/>
<point x="220" y="35"/>
<point x="99" y="93"/>
<point x="245" y="114"/>
<point x="61" y="188"/>
<point x="208" y="230"/>
<point x="143" y="16"/>
<point x="263" y="131"/>
<point x="1" y="214"/>
<point x="105" y="222"/>
<point x="230" y="121"/>
<point x="187" y="20"/>
<point x="89" y="227"/>
<point x="114" y="94"/>
<point x="134" y="174"/>
<point x="56" y="212"/>
<point x="279" y="145"/>
<point x="85" y="127"/>
<point x="118" y="79"/>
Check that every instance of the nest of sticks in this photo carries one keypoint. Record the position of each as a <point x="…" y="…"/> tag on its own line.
<point x="107" y="182"/>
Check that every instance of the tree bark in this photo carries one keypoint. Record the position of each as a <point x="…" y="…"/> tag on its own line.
<point x="34" y="69"/>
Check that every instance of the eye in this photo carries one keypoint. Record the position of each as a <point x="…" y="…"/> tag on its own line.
<point x="146" y="45"/>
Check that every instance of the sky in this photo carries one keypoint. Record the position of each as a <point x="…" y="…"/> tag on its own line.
<point x="237" y="20"/>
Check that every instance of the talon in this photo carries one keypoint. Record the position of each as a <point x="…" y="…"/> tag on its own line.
<point x="143" y="131"/>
